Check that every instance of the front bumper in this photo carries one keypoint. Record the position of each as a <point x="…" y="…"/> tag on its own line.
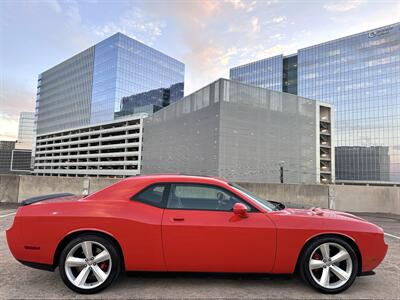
<point x="373" y="253"/>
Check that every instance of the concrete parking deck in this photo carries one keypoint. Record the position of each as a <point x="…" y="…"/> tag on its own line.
<point x="18" y="281"/>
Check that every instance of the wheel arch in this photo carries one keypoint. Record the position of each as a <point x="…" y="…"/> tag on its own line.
<point x="346" y="238"/>
<point x="71" y="235"/>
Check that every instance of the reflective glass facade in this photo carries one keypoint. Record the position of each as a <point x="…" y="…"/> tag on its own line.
<point x="64" y="94"/>
<point x="127" y="69"/>
<point x="289" y="79"/>
<point x="117" y="77"/>
<point x="25" y="130"/>
<point x="360" y="75"/>
<point x="266" y="73"/>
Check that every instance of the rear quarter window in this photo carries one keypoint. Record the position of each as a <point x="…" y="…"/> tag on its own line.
<point x="152" y="195"/>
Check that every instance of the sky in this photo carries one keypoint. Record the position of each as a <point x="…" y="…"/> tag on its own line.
<point x="209" y="36"/>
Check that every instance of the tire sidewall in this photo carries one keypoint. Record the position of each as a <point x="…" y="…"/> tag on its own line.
<point x="115" y="266"/>
<point x="306" y="273"/>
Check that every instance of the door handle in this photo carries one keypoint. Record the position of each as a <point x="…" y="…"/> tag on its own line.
<point x="178" y="219"/>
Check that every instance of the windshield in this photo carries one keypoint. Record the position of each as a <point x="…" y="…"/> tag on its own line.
<point x="264" y="203"/>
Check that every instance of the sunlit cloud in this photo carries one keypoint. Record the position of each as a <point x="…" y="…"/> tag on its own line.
<point x="14" y="98"/>
<point x="9" y="127"/>
<point x="245" y="5"/>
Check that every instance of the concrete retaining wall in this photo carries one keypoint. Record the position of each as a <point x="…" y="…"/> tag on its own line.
<point x="9" y="185"/>
<point x="294" y="195"/>
<point x="97" y="184"/>
<point x="367" y="198"/>
<point x="31" y="186"/>
<point x="352" y="198"/>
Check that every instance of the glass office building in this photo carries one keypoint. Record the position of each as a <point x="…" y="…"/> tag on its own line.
<point x="360" y="75"/>
<point x="265" y="73"/>
<point x="124" y="68"/>
<point x="89" y="88"/>
<point x="25" y="130"/>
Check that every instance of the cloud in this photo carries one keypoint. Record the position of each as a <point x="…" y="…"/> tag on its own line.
<point x="9" y="128"/>
<point x="255" y="26"/>
<point x="217" y="37"/>
<point x="204" y="52"/>
<point x="279" y="19"/>
<point x="134" y="24"/>
<point x="277" y="36"/>
<point x="237" y="4"/>
<point x="53" y="4"/>
<point x="14" y="98"/>
<point x="72" y="13"/>
<point x="246" y="5"/>
<point x="343" y="5"/>
<point x="382" y="16"/>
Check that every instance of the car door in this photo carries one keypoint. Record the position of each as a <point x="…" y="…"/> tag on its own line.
<point x="201" y="233"/>
<point x="144" y="224"/>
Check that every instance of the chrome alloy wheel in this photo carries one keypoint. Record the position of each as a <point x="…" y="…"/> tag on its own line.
<point x="330" y="265"/>
<point x="88" y="264"/>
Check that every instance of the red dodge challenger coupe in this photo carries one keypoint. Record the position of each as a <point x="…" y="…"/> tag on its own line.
<point x="189" y="224"/>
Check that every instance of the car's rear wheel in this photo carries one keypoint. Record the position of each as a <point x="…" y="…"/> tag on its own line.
<point x="329" y="265"/>
<point x="89" y="263"/>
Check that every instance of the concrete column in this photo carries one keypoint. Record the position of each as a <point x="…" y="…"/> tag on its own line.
<point x="86" y="186"/>
<point x="331" y="197"/>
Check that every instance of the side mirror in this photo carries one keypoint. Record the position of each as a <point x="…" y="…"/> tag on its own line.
<point x="240" y="209"/>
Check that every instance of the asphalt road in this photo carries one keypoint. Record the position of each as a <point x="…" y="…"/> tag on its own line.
<point x="18" y="281"/>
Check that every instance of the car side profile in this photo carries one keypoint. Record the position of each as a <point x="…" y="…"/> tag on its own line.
<point x="189" y="224"/>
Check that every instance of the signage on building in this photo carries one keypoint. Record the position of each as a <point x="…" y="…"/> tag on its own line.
<point x="379" y="32"/>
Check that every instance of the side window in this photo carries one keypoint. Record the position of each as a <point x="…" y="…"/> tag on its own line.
<point x="152" y="195"/>
<point x="202" y="197"/>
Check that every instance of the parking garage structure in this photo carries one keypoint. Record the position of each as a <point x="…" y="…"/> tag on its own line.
<point x="243" y="133"/>
<point x="111" y="149"/>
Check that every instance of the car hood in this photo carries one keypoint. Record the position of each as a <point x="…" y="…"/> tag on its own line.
<point x="321" y="212"/>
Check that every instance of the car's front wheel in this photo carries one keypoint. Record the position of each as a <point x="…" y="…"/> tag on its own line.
<point x="89" y="263"/>
<point x="329" y="265"/>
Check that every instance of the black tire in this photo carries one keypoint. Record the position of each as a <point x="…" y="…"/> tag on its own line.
<point x="114" y="270"/>
<point x="304" y="268"/>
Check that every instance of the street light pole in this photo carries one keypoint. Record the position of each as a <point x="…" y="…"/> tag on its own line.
<point x="281" y="164"/>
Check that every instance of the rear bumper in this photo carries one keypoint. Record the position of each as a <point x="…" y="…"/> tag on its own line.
<point x="39" y="266"/>
<point x="13" y="241"/>
<point x="27" y="243"/>
<point x="369" y="273"/>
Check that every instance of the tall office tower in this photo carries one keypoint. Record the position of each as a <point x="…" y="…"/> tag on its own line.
<point x="360" y="75"/>
<point x="89" y="88"/>
<point x="25" y="130"/>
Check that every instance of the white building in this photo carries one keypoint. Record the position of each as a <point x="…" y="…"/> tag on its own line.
<point x="111" y="149"/>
